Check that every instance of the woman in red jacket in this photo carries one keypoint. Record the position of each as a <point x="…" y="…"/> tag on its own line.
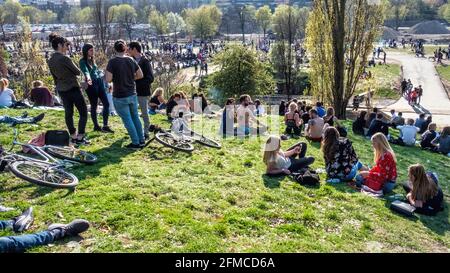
<point x="383" y="175"/>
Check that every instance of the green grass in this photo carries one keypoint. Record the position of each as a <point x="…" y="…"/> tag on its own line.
<point x="384" y="76"/>
<point x="158" y="200"/>
<point x="444" y="72"/>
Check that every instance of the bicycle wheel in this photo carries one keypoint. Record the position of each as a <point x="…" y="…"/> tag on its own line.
<point x="167" y="139"/>
<point x="71" y="154"/>
<point x="43" y="174"/>
<point x="205" y="141"/>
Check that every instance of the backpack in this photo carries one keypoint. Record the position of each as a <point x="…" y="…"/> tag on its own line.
<point x="57" y="138"/>
<point x="306" y="177"/>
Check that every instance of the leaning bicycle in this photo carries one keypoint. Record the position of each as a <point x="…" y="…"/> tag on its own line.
<point x="48" y="167"/>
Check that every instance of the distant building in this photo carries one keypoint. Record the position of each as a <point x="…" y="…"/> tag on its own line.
<point x="225" y="4"/>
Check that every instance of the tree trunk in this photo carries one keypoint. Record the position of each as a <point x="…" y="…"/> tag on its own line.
<point x="339" y="58"/>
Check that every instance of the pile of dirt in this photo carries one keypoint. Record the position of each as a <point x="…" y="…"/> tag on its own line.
<point x="429" y="27"/>
<point x="390" y="34"/>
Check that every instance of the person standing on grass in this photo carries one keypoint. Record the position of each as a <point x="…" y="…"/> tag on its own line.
<point x="143" y="85"/>
<point x="65" y="74"/>
<point x="123" y="70"/>
<point x="96" y="88"/>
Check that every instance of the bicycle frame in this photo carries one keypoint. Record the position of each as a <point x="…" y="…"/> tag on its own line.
<point x="40" y="151"/>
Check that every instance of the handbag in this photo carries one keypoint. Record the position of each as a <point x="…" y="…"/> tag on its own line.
<point x="57" y="138"/>
<point x="403" y="208"/>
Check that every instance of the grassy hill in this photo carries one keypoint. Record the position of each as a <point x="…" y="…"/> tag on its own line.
<point x="158" y="200"/>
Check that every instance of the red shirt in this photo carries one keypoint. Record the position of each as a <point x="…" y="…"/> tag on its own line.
<point x="384" y="171"/>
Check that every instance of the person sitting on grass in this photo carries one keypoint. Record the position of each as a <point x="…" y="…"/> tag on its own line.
<point x="442" y="142"/>
<point x="40" y="95"/>
<point x="228" y="117"/>
<point x="293" y="121"/>
<point x="330" y="118"/>
<point x="305" y="116"/>
<point x="428" y="137"/>
<point x="378" y="126"/>
<point x="423" y="191"/>
<point x="320" y="110"/>
<point x="245" y="118"/>
<point x="157" y="101"/>
<point x="424" y="126"/>
<point x="372" y="116"/>
<point x="7" y="97"/>
<point x="54" y="232"/>
<point x="359" y="124"/>
<point x="341" y="161"/>
<point x="315" y="127"/>
<point x="397" y="120"/>
<point x="383" y="175"/>
<point x="171" y="104"/>
<point x="420" y="121"/>
<point x="407" y="134"/>
<point x="22" y="119"/>
<point x="279" y="162"/>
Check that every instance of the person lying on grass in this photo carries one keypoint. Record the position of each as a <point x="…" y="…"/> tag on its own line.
<point x="423" y="191"/>
<point x="279" y="162"/>
<point x="383" y="175"/>
<point x="341" y="161"/>
<point x="22" y="119"/>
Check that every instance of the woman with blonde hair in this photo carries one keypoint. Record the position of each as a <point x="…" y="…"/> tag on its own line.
<point x="293" y="120"/>
<point x="157" y="101"/>
<point x="7" y="97"/>
<point x="279" y="162"/>
<point x="383" y="175"/>
<point x="423" y="190"/>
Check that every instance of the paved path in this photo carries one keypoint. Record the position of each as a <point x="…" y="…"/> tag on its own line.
<point x="421" y="71"/>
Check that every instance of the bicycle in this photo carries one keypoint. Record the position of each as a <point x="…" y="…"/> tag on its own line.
<point x="180" y="127"/>
<point x="181" y="140"/>
<point x="47" y="170"/>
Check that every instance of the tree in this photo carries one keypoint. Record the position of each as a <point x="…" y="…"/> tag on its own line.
<point x="125" y="15"/>
<point x="176" y="23"/>
<point x="340" y="37"/>
<point x="246" y="16"/>
<point x="444" y="12"/>
<point x="33" y="62"/>
<point x="80" y="17"/>
<point x="33" y="14"/>
<point x="47" y="16"/>
<point x="241" y="72"/>
<point x="9" y="12"/>
<point x="3" y="61"/>
<point x="264" y="18"/>
<point x="158" y="22"/>
<point x="398" y="10"/>
<point x="204" y="21"/>
<point x="102" y="23"/>
<point x="289" y="24"/>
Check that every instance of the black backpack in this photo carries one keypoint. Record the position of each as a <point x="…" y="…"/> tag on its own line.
<point x="57" y="138"/>
<point x="306" y="177"/>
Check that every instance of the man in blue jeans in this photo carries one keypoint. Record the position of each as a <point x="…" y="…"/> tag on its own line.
<point x="23" y="222"/>
<point x="123" y="70"/>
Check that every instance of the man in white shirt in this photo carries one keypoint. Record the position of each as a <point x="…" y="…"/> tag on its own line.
<point x="407" y="134"/>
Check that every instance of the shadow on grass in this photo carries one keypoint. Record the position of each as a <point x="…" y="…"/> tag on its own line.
<point x="107" y="156"/>
<point x="273" y="181"/>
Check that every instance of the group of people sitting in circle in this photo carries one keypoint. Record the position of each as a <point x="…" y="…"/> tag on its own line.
<point x="343" y="165"/>
<point x="375" y="122"/>
<point x="301" y="118"/>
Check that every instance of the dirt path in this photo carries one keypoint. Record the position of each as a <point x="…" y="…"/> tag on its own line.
<point x="421" y="71"/>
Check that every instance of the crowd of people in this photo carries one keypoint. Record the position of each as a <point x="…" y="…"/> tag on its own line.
<point x="129" y="75"/>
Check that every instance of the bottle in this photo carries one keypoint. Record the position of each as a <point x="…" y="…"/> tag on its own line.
<point x="334" y="181"/>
